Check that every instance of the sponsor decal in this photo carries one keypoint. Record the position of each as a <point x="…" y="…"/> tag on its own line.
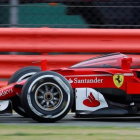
<point x="118" y="80"/>
<point x="91" y="101"/>
<point x="77" y="80"/>
<point x="70" y="81"/>
<point x="5" y="92"/>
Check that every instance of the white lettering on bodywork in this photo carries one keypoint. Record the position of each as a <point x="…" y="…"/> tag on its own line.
<point x="5" y="92"/>
<point x="77" y="80"/>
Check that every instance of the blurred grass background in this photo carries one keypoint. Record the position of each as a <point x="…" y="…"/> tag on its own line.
<point x="35" y="132"/>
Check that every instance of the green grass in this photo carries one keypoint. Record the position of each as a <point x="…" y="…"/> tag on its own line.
<point x="34" y="132"/>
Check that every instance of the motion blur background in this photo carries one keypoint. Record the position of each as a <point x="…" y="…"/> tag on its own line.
<point x="89" y="14"/>
<point x="70" y="13"/>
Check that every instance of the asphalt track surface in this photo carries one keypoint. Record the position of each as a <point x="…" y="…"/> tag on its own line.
<point x="69" y="120"/>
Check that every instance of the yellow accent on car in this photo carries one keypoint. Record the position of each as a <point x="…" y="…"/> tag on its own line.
<point x="118" y="80"/>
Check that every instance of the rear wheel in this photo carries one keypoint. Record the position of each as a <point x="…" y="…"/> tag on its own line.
<point x="19" y="75"/>
<point x="47" y="96"/>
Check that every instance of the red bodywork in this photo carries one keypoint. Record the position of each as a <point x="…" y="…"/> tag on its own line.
<point x="131" y="84"/>
<point x="86" y="75"/>
<point x="11" y="90"/>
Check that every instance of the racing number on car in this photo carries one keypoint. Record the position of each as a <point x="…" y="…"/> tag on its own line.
<point x="118" y="80"/>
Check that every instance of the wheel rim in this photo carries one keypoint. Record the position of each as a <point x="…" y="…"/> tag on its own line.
<point x="48" y="96"/>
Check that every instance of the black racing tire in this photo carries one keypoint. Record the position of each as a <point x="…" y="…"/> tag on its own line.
<point x="36" y="86"/>
<point x="19" y="75"/>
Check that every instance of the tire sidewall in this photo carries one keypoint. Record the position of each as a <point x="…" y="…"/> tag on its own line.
<point x="28" y="96"/>
<point x="22" y="72"/>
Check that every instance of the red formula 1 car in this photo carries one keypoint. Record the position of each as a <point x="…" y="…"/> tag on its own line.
<point x="108" y="85"/>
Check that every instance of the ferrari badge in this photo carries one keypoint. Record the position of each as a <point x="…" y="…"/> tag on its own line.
<point x="118" y="80"/>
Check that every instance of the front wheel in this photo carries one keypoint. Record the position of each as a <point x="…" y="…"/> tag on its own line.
<point x="18" y="76"/>
<point x="47" y="96"/>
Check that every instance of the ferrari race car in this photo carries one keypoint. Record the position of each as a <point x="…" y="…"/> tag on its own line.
<point x="107" y="85"/>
